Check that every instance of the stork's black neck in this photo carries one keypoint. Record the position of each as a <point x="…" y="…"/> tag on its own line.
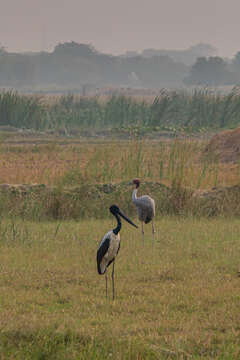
<point x="119" y="224"/>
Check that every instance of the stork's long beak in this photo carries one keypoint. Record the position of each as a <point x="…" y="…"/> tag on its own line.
<point x="127" y="219"/>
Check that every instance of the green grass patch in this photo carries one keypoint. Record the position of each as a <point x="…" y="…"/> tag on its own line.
<point x="176" y="300"/>
<point x="171" y="111"/>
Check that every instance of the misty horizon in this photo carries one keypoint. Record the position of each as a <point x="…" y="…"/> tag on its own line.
<point x="126" y="52"/>
<point x="115" y="53"/>
<point x="115" y="28"/>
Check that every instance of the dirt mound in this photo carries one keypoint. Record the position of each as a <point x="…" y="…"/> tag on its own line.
<point x="217" y="201"/>
<point x="225" y="146"/>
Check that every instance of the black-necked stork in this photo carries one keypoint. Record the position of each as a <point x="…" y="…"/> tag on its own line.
<point x="110" y="245"/>
<point x="145" y="208"/>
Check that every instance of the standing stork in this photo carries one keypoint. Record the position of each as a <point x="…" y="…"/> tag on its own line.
<point x="110" y="245"/>
<point x="145" y="208"/>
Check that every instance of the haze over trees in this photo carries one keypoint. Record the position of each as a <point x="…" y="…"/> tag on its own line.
<point x="187" y="57"/>
<point x="213" y="71"/>
<point x="72" y="66"/>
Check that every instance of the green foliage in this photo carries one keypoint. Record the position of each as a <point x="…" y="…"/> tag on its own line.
<point x="199" y="111"/>
<point x="70" y="113"/>
<point x="174" y="111"/>
<point x="21" y="111"/>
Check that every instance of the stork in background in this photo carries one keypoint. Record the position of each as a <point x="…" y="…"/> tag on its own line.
<point x="145" y="208"/>
<point x="109" y="247"/>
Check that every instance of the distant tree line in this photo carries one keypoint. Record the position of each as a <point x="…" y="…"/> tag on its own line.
<point x="73" y="65"/>
<point x="187" y="56"/>
<point x="80" y="66"/>
<point x="214" y="71"/>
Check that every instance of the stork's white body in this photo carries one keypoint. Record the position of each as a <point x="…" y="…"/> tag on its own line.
<point x="112" y="245"/>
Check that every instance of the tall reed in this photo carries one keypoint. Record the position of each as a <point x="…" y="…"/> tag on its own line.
<point x="22" y="111"/>
<point x="171" y="110"/>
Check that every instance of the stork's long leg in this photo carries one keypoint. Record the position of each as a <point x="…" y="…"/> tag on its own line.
<point x="142" y="233"/>
<point x="106" y="279"/>
<point x="153" y="228"/>
<point x="153" y="232"/>
<point x="113" y="289"/>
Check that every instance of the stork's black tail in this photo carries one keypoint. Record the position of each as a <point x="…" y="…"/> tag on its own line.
<point x="148" y="219"/>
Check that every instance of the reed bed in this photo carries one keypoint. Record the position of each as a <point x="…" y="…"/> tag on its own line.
<point x="174" y="111"/>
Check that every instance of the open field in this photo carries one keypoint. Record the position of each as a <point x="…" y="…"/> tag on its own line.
<point x="71" y="162"/>
<point x="176" y="300"/>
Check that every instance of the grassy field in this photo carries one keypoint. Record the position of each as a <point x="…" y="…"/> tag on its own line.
<point x="62" y="162"/>
<point x="176" y="300"/>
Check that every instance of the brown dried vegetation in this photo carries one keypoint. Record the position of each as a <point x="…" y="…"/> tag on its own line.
<point x="225" y="146"/>
<point x="74" y="180"/>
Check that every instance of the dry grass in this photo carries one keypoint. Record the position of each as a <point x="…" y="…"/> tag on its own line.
<point x="178" y="300"/>
<point x="70" y="165"/>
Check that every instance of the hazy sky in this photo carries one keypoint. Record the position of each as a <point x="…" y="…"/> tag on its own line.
<point x="114" y="26"/>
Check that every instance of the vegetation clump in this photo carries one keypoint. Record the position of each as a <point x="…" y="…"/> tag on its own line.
<point x="225" y="146"/>
<point x="171" y="111"/>
<point x="40" y="202"/>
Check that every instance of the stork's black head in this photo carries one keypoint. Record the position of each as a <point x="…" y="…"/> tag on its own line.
<point x="114" y="209"/>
